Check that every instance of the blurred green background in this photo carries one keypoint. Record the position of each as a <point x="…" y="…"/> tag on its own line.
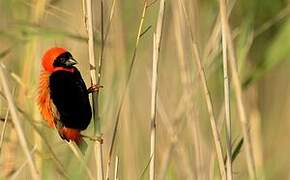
<point x="261" y="35"/>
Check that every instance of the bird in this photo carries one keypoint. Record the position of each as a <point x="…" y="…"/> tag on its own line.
<point x="63" y="97"/>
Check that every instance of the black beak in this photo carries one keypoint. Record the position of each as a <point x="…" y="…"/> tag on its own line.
<point x="70" y="62"/>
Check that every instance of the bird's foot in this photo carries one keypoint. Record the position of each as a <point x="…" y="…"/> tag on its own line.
<point x="94" y="88"/>
<point x="97" y="138"/>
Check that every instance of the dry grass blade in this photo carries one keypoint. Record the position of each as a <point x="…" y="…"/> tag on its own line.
<point x="214" y="38"/>
<point x="145" y="168"/>
<point x="240" y="103"/>
<point x="100" y="65"/>
<point x="237" y="149"/>
<point x="94" y="81"/>
<point x="32" y="122"/>
<point x="4" y="127"/>
<point x="173" y="135"/>
<point x="46" y="142"/>
<point x="116" y="124"/>
<point x="17" y="125"/>
<point x="223" y="15"/>
<point x="187" y="102"/>
<point x="4" y="130"/>
<point x="116" y="168"/>
<point x="174" y="140"/>
<point x="268" y="24"/>
<point x="112" y="12"/>
<point x="16" y="78"/>
<point x="215" y="133"/>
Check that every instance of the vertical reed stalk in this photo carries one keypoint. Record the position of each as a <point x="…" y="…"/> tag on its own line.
<point x="116" y="168"/>
<point x="153" y="110"/>
<point x="239" y="97"/>
<point x="156" y="49"/>
<point x="223" y="16"/>
<point x="95" y="95"/>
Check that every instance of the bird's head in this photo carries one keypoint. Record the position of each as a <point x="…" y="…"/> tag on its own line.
<point x="56" y="57"/>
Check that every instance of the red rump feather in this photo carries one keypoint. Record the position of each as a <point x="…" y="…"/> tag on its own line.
<point x="72" y="134"/>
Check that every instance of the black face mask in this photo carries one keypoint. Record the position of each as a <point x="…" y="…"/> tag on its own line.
<point x="65" y="60"/>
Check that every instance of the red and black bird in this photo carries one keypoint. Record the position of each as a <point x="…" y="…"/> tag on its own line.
<point x="63" y="96"/>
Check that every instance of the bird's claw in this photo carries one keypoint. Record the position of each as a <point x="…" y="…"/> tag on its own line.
<point x="94" y="88"/>
<point x="97" y="138"/>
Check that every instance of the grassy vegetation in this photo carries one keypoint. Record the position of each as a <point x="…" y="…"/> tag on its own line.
<point x="197" y="90"/>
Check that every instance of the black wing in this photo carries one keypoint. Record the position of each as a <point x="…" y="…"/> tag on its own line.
<point x="70" y="96"/>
